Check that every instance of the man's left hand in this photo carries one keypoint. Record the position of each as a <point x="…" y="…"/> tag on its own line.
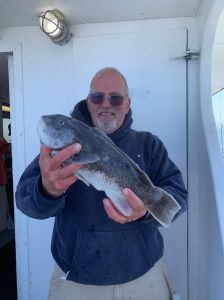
<point x="135" y="202"/>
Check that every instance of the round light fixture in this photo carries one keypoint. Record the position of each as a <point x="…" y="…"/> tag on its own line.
<point x="52" y="23"/>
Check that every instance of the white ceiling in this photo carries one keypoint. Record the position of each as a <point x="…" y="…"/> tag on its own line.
<point x="25" y="12"/>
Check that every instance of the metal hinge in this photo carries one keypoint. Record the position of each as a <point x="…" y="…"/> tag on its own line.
<point x="190" y="54"/>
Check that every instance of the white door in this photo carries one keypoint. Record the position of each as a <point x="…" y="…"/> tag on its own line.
<point x="157" y="86"/>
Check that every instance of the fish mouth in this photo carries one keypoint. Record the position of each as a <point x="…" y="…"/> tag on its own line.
<point x="48" y="144"/>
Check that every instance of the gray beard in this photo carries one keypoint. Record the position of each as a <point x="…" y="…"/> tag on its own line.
<point x="106" y="127"/>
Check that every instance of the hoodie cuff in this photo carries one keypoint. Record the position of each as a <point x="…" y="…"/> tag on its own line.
<point x="149" y="220"/>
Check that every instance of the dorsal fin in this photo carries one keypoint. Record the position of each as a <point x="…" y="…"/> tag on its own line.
<point x="136" y="169"/>
<point x="101" y="133"/>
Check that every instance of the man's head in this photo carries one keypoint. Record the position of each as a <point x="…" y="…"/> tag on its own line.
<point x="108" y="101"/>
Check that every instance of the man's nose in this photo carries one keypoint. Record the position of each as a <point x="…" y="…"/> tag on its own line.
<point x="106" y="102"/>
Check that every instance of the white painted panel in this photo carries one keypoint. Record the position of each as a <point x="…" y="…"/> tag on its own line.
<point x="158" y="94"/>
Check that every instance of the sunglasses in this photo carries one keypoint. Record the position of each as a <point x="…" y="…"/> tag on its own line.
<point x="114" y="99"/>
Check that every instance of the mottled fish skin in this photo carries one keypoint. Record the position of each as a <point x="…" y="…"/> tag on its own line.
<point x="107" y="168"/>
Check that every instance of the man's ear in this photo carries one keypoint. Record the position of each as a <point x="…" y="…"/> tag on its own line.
<point x="87" y="101"/>
<point x="128" y="105"/>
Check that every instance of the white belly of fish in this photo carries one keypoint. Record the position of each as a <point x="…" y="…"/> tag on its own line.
<point x="102" y="183"/>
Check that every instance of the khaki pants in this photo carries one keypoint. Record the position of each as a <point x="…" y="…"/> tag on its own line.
<point x="154" y="285"/>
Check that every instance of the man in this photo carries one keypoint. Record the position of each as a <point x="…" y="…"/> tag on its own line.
<point x="101" y="253"/>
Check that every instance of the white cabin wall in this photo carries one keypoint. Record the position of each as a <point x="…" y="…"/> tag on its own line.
<point x="203" y="14"/>
<point x="210" y="257"/>
<point x="198" y="210"/>
<point x="48" y="88"/>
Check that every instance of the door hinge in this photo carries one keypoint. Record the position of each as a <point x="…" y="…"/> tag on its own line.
<point x="190" y="54"/>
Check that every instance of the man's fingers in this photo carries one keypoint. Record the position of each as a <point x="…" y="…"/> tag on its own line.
<point x="60" y="157"/>
<point x="56" y="178"/>
<point x="139" y="209"/>
<point x="63" y="184"/>
<point x="134" y="200"/>
<point x="45" y="151"/>
<point x="112" y="212"/>
<point x="69" y="169"/>
<point x="64" y="154"/>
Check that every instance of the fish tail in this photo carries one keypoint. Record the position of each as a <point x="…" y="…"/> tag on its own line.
<point x="164" y="206"/>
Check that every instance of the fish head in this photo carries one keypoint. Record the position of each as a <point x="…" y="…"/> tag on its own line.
<point x="58" y="131"/>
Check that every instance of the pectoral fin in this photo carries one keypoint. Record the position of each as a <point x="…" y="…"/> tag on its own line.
<point x="85" y="158"/>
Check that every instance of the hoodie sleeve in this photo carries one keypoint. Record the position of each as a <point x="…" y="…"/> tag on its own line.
<point x="31" y="198"/>
<point x="165" y="174"/>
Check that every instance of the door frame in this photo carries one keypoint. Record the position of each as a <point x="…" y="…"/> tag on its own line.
<point x="14" y="50"/>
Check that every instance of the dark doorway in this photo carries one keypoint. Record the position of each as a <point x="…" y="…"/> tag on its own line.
<point x="8" y="288"/>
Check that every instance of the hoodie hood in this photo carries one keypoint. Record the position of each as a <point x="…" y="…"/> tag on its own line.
<point x="81" y="113"/>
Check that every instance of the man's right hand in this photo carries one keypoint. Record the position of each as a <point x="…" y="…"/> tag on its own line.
<point x="56" y="178"/>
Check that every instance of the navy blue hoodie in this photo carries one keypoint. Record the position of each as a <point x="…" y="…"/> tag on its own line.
<point x="86" y="244"/>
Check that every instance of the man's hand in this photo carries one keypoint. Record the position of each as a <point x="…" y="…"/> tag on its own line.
<point x="55" y="178"/>
<point x="137" y="205"/>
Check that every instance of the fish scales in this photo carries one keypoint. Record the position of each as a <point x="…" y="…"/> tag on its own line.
<point x="106" y="167"/>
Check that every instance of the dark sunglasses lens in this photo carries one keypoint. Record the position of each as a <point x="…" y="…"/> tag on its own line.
<point x="96" y="98"/>
<point x="116" y="100"/>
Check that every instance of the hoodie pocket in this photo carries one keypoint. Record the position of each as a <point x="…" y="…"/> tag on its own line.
<point x="103" y="257"/>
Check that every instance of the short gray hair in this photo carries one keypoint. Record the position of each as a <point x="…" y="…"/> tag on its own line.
<point x="111" y="69"/>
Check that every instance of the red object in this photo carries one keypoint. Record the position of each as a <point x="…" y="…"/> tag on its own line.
<point x="4" y="148"/>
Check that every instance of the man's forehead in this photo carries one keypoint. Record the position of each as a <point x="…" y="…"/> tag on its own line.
<point x="108" y="77"/>
<point x="107" y="74"/>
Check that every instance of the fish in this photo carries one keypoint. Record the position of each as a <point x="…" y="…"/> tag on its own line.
<point x="106" y="167"/>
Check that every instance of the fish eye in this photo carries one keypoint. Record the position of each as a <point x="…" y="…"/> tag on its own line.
<point x="61" y="122"/>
